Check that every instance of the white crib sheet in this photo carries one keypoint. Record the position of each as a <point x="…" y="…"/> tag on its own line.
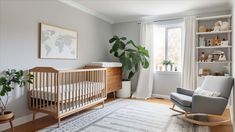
<point x="82" y="88"/>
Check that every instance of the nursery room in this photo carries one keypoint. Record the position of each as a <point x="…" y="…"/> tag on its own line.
<point x="117" y="65"/>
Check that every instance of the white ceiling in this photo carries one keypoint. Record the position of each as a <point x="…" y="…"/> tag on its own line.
<point x="129" y="10"/>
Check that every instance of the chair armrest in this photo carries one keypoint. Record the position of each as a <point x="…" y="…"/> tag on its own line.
<point x="184" y="91"/>
<point x="208" y="105"/>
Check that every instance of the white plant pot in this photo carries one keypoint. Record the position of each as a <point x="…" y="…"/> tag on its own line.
<point x="125" y="91"/>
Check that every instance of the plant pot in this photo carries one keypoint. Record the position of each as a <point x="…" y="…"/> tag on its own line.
<point x="125" y="91"/>
<point x="7" y="115"/>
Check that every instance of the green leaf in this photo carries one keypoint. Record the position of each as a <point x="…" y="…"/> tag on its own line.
<point x="123" y="38"/>
<point x="112" y="40"/>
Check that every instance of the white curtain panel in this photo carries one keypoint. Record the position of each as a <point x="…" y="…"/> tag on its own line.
<point x="188" y="72"/>
<point x="145" y="80"/>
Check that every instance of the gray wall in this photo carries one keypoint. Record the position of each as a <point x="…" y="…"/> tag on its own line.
<point x="233" y="68"/>
<point x="130" y="30"/>
<point x="19" y="31"/>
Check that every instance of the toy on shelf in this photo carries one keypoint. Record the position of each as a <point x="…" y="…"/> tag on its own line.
<point x="217" y="27"/>
<point x="202" y="57"/>
<point x="224" y="26"/>
<point x="224" y="42"/>
<point x="222" y="57"/>
<point x="217" y="54"/>
<point x="203" y="28"/>
<point x="210" y="58"/>
<point x="216" y="41"/>
<point x="204" y="72"/>
<point x="202" y="42"/>
<point x="209" y="42"/>
<point x="217" y="73"/>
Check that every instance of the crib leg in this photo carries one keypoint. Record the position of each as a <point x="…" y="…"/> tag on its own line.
<point x="103" y="104"/>
<point x="34" y="115"/>
<point x="58" y="122"/>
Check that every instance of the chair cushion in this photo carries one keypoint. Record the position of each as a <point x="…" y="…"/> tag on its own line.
<point x="220" y="84"/>
<point x="184" y="100"/>
<point x="208" y="93"/>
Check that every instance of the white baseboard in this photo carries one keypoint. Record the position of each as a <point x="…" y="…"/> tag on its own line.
<point x="20" y="121"/>
<point x="161" y="96"/>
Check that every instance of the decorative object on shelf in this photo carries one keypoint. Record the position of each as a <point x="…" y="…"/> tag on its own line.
<point x="202" y="57"/>
<point x="209" y="30"/>
<point x="166" y="63"/>
<point x="57" y="42"/>
<point x="210" y="58"/>
<point x="202" y="42"/>
<point x="217" y="73"/>
<point x="216" y="41"/>
<point x="9" y="80"/>
<point x="226" y="70"/>
<point x="224" y="26"/>
<point x="217" y="27"/>
<point x="204" y="72"/>
<point x="222" y="57"/>
<point x="176" y="68"/>
<point x="224" y="42"/>
<point x="202" y="28"/>
<point x="209" y="42"/>
<point x="216" y="54"/>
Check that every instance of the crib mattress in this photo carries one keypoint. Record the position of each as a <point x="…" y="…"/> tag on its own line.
<point x="69" y="91"/>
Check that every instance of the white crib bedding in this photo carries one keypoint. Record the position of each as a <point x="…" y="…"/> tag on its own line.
<point x="69" y="91"/>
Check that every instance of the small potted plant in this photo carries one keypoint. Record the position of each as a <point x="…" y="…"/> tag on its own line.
<point x="166" y="63"/>
<point x="8" y="81"/>
<point x="131" y="56"/>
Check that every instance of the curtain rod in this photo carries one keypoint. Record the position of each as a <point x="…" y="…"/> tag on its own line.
<point x="160" y="20"/>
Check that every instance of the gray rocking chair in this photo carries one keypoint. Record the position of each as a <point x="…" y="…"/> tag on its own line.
<point x="193" y="103"/>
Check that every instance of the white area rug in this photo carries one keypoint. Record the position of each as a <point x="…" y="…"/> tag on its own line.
<point x="123" y="115"/>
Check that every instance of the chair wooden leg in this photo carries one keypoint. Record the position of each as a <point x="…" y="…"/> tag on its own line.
<point x="187" y="118"/>
<point x="34" y="116"/>
<point x="12" y="128"/>
<point x="59" y="122"/>
<point x="173" y="108"/>
<point x="114" y="94"/>
<point x="103" y="104"/>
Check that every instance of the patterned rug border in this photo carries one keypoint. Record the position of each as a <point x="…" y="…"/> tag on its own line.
<point x="109" y="109"/>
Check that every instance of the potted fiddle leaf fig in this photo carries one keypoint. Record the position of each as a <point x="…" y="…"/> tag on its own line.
<point x="132" y="57"/>
<point x="9" y="80"/>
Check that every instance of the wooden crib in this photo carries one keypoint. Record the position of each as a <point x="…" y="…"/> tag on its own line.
<point x="63" y="92"/>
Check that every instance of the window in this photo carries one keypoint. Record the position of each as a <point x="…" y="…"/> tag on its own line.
<point x="168" y="43"/>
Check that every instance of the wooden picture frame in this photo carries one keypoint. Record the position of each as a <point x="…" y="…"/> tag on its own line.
<point x="57" y="42"/>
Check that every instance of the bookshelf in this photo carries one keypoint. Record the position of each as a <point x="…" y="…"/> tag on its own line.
<point x="210" y="45"/>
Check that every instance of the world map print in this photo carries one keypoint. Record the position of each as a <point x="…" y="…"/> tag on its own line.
<point x="58" y="43"/>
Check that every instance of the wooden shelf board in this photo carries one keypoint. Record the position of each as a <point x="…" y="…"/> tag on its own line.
<point x="214" y="62"/>
<point x="219" y="32"/>
<point x="214" y="47"/>
<point x="214" y="17"/>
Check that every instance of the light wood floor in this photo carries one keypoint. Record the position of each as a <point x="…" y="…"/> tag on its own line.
<point x="48" y="120"/>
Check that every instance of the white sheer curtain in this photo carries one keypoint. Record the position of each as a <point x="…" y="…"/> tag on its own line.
<point x="188" y="73"/>
<point x="145" y="81"/>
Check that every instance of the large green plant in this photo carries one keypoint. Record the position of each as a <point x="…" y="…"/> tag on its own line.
<point x="8" y="81"/>
<point x="131" y="56"/>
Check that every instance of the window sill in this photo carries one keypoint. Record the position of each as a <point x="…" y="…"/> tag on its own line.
<point x="168" y="72"/>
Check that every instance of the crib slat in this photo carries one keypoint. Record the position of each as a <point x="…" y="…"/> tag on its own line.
<point x="47" y="91"/>
<point x="33" y="91"/>
<point x="69" y="90"/>
<point x="76" y="89"/>
<point x="43" y="88"/>
<point x="66" y="92"/>
<point x="51" y="91"/>
<point x="40" y="87"/>
<point x="62" y="92"/>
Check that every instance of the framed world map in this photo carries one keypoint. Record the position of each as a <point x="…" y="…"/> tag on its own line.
<point x="57" y="42"/>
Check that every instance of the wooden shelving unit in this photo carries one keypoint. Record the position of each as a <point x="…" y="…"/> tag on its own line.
<point x="215" y="66"/>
